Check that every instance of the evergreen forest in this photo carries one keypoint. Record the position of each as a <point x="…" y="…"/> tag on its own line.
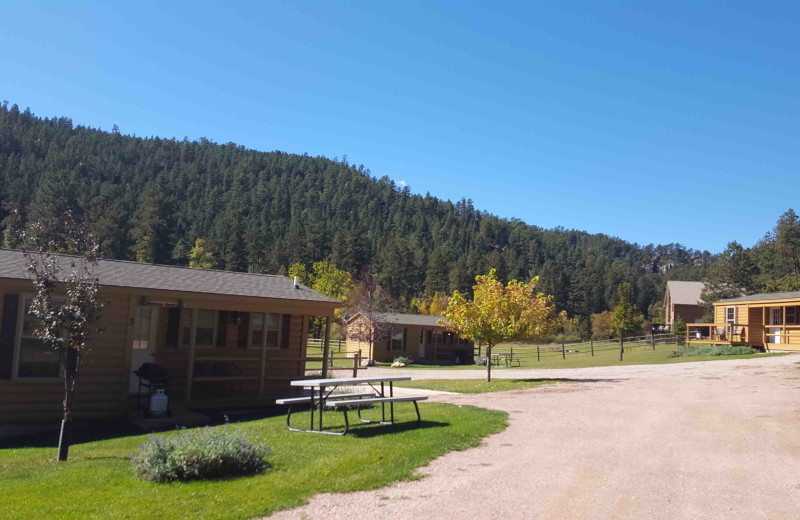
<point x="150" y="199"/>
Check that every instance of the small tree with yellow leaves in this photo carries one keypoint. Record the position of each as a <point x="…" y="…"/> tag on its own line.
<point x="500" y="313"/>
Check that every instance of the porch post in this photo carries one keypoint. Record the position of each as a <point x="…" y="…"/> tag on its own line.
<point x="190" y="362"/>
<point x="326" y="347"/>
<point x="783" y="325"/>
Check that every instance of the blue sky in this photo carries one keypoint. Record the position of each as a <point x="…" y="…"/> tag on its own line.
<point x="655" y="123"/>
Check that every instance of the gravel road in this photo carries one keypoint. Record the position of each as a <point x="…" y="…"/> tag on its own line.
<point x="714" y="440"/>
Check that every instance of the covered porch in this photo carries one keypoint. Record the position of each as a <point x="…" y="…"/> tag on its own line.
<point x="222" y="353"/>
<point x="757" y="321"/>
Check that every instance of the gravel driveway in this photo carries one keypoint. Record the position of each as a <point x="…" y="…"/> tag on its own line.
<point x="707" y="440"/>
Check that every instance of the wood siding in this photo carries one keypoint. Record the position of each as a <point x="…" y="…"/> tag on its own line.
<point x="102" y="379"/>
<point x="102" y="388"/>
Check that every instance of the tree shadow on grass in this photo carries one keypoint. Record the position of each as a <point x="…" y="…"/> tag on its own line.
<point x="367" y="431"/>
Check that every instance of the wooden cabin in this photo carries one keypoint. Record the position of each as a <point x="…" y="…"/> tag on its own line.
<point x="682" y="300"/>
<point x="769" y="321"/>
<point x="421" y="338"/>
<point x="226" y="339"/>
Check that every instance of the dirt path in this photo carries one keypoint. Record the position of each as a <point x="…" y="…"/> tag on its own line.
<point x="712" y="440"/>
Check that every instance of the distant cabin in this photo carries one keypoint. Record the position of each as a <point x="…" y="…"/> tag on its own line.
<point x="770" y="321"/>
<point x="226" y="339"/>
<point x="412" y="335"/>
<point x="682" y="300"/>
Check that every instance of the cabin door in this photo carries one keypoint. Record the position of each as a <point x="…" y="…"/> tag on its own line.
<point x="775" y="318"/>
<point x="422" y="344"/>
<point x="145" y="331"/>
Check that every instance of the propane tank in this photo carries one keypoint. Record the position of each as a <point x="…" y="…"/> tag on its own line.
<point x="158" y="402"/>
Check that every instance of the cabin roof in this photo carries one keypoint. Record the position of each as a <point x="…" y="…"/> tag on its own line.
<point x="399" y="318"/>
<point x="121" y="273"/>
<point x="685" y="293"/>
<point x="764" y="296"/>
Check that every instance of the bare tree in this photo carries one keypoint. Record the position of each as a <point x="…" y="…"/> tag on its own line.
<point x="372" y="302"/>
<point x="67" y="323"/>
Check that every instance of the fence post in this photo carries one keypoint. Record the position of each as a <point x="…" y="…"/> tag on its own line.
<point x="563" y="354"/>
<point x="537" y="353"/>
<point x="325" y="347"/>
<point x="621" y="348"/>
<point x="591" y="345"/>
<point x="653" y="340"/>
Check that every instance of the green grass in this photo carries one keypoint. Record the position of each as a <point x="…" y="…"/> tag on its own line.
<point x="339" y="361"/>
<point x="98" y="482"/>
<point x="476" y="386"/>
<point x="635" y="355"/>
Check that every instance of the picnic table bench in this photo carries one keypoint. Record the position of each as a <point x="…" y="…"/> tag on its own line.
<point x="322" y="395"/>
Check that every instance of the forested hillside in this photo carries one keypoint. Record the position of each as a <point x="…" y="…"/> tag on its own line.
<point x="150" y="199"/>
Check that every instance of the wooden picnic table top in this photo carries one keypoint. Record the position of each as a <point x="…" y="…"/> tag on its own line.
<point x="348" y="381"/>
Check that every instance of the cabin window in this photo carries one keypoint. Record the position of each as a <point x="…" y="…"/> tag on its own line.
<point x="35" y="359"/>
<point x="186" y="327"/>
<point x="396" y="341"/>
<point x="273" y="330"/>
<point x="791" y="315"/>
<point x="257" y="325"/>
<point x="205" y="329"/>
<point x="730" y="314"/>
<point x="143" y="327"/>
<point x="777" y="316"/>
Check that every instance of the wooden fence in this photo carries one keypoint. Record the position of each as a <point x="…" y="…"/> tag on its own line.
<point x="335" y="345"/>
<point x="511" y="354"/>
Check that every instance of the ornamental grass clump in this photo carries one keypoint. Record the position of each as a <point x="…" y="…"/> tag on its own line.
<point x="199" y="454"/>
<point x="713" y="351"/>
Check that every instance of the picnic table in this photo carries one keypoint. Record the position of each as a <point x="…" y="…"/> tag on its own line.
<point x="322" y="395"/>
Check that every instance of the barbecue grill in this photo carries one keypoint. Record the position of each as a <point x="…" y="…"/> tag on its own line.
<point x="152" y="377"/>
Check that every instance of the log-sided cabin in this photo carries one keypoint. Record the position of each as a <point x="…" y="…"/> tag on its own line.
<point x="682" y="300"/>
<point x="769" y="321"/>
<point x="226" y="339"/>
<point x="412" y="335"/>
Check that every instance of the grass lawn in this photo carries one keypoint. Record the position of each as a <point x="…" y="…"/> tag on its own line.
<point x="97" y="481"/>
<point x="476" y="386"/>
<point x="636" y="355"/>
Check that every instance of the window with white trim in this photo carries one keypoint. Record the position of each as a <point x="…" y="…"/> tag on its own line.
<point x="35" y="358"/>
<point x="143" y="327"/>
<point x="777" y="316"/>
<point x="730" y="314"/>
<point x="396" y="341"/>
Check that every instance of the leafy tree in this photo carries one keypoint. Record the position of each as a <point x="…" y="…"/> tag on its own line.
<point x="371" y="301"/>
<point x="601" y="324"/>
<point x="679" y="330"/>
<point x="299" y="270"/>
<point x="499" y="313"/>
<point x="66" y="327"/>
<point x="626" y="320"/>
<point x="199" y="258"/>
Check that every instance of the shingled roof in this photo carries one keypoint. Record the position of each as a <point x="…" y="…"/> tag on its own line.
<point x="120" y="273"/>
<point x="399" y="318"/>
<point x="765" y="296"/>
<point x="685" y="293"/>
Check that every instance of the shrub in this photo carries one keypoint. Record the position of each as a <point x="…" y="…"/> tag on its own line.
<point x="403" y="359"/>
<point x="199" y="454"/>
<point x="713" y="351"/>
<point x="480" y="360"/>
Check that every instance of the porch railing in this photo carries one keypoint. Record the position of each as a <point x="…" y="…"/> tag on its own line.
<point x="728" y="333"/>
